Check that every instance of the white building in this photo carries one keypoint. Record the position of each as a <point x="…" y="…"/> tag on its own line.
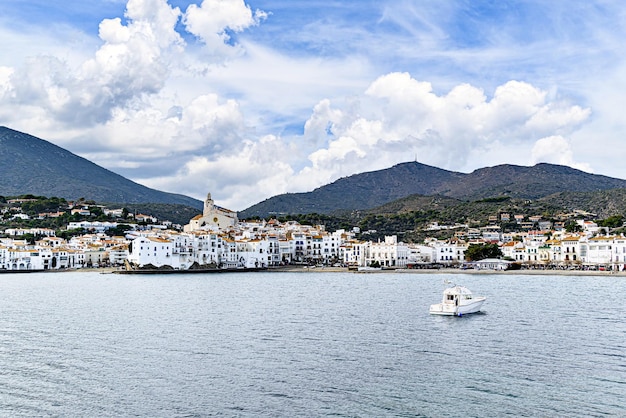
<point x="95" y="226"/>
<point x="389" y="253"/>
<point x="27" y="259"/>
<point x="153" y="250"/>
<point x="421" y="254"/>
<point x="619" y="253"/>
<point x="492" y="264"/>
<point x="599" y="251"/>
<point x="570" y="249"/>
<point x="253" y="253"/>
<point x="213" y="217"/>
<point x="449" y="252"/>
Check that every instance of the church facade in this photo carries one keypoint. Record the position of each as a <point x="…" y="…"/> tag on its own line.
<point x="213" y="217"/>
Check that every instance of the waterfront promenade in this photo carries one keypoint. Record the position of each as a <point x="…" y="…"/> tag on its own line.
<point x="549" y="272"/>
<point x="441" y="271"/>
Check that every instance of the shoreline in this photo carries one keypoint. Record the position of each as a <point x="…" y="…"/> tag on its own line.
<point x="303" y="269"/>
<point x="523" y="272"/>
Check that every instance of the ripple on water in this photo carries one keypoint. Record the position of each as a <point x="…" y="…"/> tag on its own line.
<point x="309" y="345"/>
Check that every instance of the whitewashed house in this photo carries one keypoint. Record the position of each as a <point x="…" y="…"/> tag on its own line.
<point x="555" y="253"/>
<point x="252" y="253"/>
<point x="421" y="253"/>
<point x="208" y="248"/>
<point x="619" y="253"/>
<point x="118" y="254"/>
<point x="287" y="250"/>
<point x="273" y="251"/>
<point x="492" y="264"/>
<point x="28" y="259"/>
<point x="532" y="252"/>
<point x="570" y="249"/>
<point x="507" y="249"/>
<point x="153" y="250"/>
<point x="331" y="244"/>
<point x="95" y="226"/>
<point x="491" y="234"/>
<point x="448" y="252"/>
<point x="599" y="251"/>
<point x="352" y="253"/>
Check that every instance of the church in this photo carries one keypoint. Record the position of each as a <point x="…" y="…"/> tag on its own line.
<point x="213" y="217"/>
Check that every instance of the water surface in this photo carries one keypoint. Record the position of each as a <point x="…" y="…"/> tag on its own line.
<point x="309" y="344"/>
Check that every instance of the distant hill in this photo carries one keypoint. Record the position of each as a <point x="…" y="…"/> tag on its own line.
<point x="29" y="165"/>
<point x="603" y="203"/>
<point x="372" y="189"/>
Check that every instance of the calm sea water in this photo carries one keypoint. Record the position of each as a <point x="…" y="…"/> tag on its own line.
<point x="309" y="344"/>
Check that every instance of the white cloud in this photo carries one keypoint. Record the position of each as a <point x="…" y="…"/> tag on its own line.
<point x="556" y="150"/>
<point x="234" y="110"/>
<point x="132" y="138"/>
<point x="242" y="177"/>
<point x="5" y="81"/>
<point x="133" y="61"/>
<point x="212" y="20"/>
<point x="400" y="117"/>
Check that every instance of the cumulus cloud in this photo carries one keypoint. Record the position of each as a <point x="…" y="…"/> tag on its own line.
<point x="132" y="138"/>
<point x="113" y="107"/>
<point x="156" y="108"/>
<point x="400" y="118"/>
<point x="5" y="78"/>
<point x="248" y="174"/>
<point x="556" y="150"/>
<point x="396" y="119"/>
<point x="214" y="19"/>
<point x="133" y="61"/>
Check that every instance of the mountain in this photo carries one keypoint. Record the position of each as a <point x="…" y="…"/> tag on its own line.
<point x="359" y="191"/>
<point x="29" y="165"/>
<point x="372" y="189"/>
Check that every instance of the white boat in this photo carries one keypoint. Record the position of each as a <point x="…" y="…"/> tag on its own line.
<point x="365" y="269"/>
<point x="457" y="301"/>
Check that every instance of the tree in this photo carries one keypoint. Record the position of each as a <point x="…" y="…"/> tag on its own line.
<point x="477" y="252"/>
<point x="613" y="222"/>
<point x="572" y="226"/>
<point x="119" y="230"/>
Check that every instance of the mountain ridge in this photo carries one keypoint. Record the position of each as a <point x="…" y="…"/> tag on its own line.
<point x="371" y="189"/>
<point x="30" y="165"/>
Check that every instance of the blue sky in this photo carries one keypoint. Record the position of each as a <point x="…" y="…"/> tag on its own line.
<point x="250" y="99"/>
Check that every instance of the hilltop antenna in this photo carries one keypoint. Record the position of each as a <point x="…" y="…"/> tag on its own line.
<point x="417" y="142"/>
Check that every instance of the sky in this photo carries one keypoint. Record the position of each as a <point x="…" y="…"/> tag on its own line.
<point x="249" y="99"/>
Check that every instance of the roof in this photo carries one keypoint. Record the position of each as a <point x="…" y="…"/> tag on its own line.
<point x="492" y="261"/>
<point x="602" y="238"/>
<point x="157" y="239"/>
<point x="457" y="290"/>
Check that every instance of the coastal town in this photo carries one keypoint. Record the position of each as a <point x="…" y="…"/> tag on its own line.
<point x="217" y="239"/>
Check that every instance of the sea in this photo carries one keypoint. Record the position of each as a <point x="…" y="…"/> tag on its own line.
<point x="268" y="344"/>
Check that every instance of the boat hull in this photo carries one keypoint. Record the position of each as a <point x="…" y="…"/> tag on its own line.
<point x="450" y="309"/>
